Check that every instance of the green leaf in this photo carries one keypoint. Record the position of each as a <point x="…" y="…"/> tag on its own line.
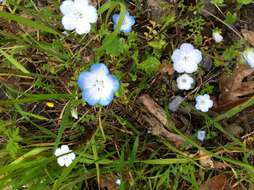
<point x="27" y="22"/>
<point x="230" y="18"/>
<point x="134" y="152"/>
<point x="115" y="47"/>
<point x="31" y="153"/>
<point x="157" y="44"/>
<point x="14" y="62"/>
<point x="244" y="2"/>
<point x="36" y="98"/>
<point x="150" y="65"/>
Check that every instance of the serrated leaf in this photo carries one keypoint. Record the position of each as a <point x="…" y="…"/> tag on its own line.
<point x="150" y="65"/>
<point x="115" y="47"/>
<point x="230" y="18"/>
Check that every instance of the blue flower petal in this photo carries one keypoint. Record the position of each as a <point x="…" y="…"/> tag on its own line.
<point x="82" y="78"/>
<point x="106" y="100"/>
<point x="126" y="30"/>
<point x="132" y="19"/>
<point x="99" y="67"/>
<point x="90" y="97"/>
<point x="115" y="18"/>
<point x="115" y="83"/>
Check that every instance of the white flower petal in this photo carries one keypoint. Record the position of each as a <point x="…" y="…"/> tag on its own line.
<point x="196" y="56"/>
<point x="80" y="4"/>
<point x="178" y="66"/>
<point x="72" y="156"/>
<point x="186" y="48"/>
<point x="83" y="27"/>
<point x="67" y="7"/>
<point x="69" y="22"/>
<point x="65" y="149"/>
<point x="61" y="161"/>
<point x="90" y="14"/>
<point x="248" y="55"/>
<point x="68" y="161"/>
<point x="176" y="55"/>
<point x="58" y="152"/>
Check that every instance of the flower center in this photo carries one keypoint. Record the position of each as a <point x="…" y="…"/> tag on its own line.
<point x="184" y="80"/>
<point x="186" y="59"/>
<point x="99" y="84"/>
<point x="202" y="102"/>
<point x="78" y="14"/>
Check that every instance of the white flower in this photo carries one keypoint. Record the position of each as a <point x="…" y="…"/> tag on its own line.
<point x="201" y="135"/>
<point x="65" y="159"/>
<point x="118" y="181"/>
<point x="78" y="15"/>
<point x="98" y="85"/>
<point x="203" y="103"/>
<point x="184" y="82"/>
<point x="186" y="59"/>
<point x="217" y="36"/>
<point x="248" y="55"/>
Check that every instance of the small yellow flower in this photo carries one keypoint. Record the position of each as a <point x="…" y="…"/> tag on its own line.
<point x="50" y="104"/>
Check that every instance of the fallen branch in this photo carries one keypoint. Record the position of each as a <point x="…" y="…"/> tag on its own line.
<point x="158" y="121"/>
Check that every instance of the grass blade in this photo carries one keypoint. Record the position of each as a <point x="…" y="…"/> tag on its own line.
<point x="27" y="22"/>
<point x="14" y="61"/>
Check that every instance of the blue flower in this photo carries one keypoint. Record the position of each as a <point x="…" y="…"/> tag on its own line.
<point x="201" y="135"/>
<point x="98" y="85"/>
<point x="128" y="22"/>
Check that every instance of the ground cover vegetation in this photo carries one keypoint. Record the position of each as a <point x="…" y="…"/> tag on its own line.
<point x="148" y="95"/>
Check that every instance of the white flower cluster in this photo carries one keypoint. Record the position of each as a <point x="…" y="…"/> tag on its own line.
<point x="186" y="60"/>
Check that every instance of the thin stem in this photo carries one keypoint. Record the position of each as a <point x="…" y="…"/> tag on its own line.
<point x="100" y="124"/>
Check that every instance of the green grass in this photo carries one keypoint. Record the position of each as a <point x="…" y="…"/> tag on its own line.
<point x="40" y="64"/>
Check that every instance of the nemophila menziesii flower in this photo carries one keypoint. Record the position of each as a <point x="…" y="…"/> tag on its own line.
<point x="98" y="85"/>
<point x="128" y="22"/>
<point x="201" y="135"/>
<point x="78" y="15"/>
<point x="64" y="155"/>
<point x="184" y="82"/>
<point x="186" y="58"/>
<point x="248" y="55"/>
<point x="217" y="36"/>
<point x="203" y="103"/>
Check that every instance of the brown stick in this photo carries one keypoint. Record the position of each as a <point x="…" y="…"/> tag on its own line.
<point x="158" y="129"/>
<point x="159" y="120"/>
<point x="153" y="108"/>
